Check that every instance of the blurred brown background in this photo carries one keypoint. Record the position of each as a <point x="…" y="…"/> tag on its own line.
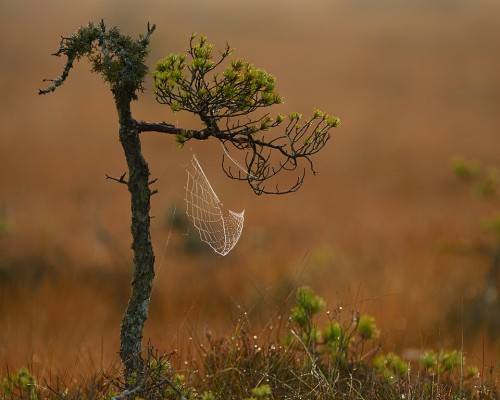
<point x="414" y="84"/>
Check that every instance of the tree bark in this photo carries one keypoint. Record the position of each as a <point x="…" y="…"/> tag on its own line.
<point x="138" y="183"/>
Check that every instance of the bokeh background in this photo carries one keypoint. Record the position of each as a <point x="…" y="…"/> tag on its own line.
<point x="415" y="83"/>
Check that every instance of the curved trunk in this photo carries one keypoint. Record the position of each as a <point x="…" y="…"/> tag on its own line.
<point x="143" y="275"/>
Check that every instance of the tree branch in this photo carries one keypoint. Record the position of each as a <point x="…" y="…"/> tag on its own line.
<point x="225" y="103"/>
<point x="119" y="180"/>
<point x="163" y="127"/>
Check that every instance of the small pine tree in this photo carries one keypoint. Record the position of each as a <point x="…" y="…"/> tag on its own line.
<point x="224" y="101"/>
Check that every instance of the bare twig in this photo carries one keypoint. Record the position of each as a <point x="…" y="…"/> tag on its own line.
<point x="121" y="179"/>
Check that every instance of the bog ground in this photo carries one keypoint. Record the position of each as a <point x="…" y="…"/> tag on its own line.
<point x="414" y="85"/>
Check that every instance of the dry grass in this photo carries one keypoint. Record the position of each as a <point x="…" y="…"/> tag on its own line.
<point x="295" y="357"/>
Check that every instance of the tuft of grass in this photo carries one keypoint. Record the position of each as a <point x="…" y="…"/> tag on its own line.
<point x="341" y="360"/>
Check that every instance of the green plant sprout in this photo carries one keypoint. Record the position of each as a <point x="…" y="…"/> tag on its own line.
<point x="225" y="99"/>
<point x="392" y="367"/>
<point x="21" y="385"/>
<point x="440" y="363"/>
<point x="261" y="392"/>
<point x="303" y="314"/>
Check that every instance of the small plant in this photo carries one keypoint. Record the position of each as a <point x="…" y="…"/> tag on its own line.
<point x="485" y="179"/>
<point x="304" y="313"/>
<point x="208" y="396"/>
<point x="261" y="392"/>
<point x="367" y="329"/>
<point x="392" y="367"/>
<point x="484" y="309"/>
<point x="158" y="381"/>
<point x="485" y="182"/>
<point x="337" y="341"/>
<point x="442" y="363"/>
<point x="20" y="385"/>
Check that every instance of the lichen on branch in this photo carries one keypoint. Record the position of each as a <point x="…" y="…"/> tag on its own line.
<point x="118" y="58"/>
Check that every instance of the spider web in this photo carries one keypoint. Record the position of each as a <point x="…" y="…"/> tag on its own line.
<point x="220" y="229"/>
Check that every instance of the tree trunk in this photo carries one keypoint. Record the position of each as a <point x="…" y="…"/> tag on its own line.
<point x="142" y="281"/>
